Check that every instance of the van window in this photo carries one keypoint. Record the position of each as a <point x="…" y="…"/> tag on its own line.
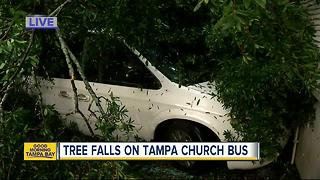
<point x="109" y="61"/>
<point x="103" y="60"/>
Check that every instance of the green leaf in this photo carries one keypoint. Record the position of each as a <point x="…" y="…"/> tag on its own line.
<point x="2" y="65"/>
<point x="229" y="21"/>
<point x="247" y="3"/>
<point x="9" y="46"/>
<point x="34" y="61"/>
<point x="20" y="42"/>
<point x="261" y="3"/>
<point x="227" y="9"/>
<point x="197" y="7"/>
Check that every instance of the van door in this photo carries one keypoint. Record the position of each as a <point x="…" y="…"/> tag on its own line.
<point x="111" y="68"/>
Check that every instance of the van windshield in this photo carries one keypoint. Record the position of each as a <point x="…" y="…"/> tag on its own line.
<point x="165" y="64"/>
<point x="179" y="68"/>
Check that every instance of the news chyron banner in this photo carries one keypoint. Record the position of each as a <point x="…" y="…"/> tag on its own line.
<point x="246" y="151"/>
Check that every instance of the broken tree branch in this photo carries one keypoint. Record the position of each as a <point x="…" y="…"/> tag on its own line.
<point x="71" y="73"/>
<point x="88" y="86"/>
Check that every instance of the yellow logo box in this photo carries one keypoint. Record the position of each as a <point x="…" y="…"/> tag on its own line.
<point x="40" y="151"/>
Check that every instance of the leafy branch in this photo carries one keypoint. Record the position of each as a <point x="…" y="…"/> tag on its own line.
<point x="18" y="70"/>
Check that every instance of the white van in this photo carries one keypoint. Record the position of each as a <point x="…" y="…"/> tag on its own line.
<point x="162" y="110"/>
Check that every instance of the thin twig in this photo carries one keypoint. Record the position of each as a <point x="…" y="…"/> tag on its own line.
<point x="36" y="85"/>
<point x="58" y="9"/>
<point x="5" y="96"/>
<point x="7" y="32"/>
<point x="92" y="113"/>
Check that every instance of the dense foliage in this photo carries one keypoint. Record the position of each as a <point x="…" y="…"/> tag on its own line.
<point x="23" y="122"/>
<point x="260" y="53"/>
<point x="24" y="118"/>
<point x="267" y="67"/>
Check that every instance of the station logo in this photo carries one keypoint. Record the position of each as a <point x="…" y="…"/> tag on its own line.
<point x="40" y="151"/>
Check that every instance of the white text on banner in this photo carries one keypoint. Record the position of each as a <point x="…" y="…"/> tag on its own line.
<point x="158" y="151"/>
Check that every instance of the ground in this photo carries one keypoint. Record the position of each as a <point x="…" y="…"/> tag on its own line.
<point x="279" y="169"/>
<point x="164" y="170"/>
